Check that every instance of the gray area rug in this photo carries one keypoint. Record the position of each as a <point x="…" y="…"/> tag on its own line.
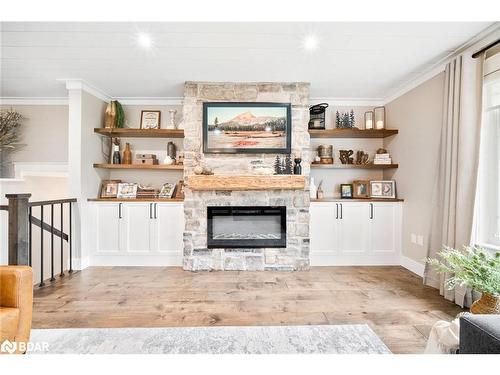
<point x="341" y="339"/>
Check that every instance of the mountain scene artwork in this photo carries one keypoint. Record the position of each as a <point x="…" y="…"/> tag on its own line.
<point x="229" y="128"/>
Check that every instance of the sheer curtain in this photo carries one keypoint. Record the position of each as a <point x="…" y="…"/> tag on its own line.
<point x="454" y="193"/>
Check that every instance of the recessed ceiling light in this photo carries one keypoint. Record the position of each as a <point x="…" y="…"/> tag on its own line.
<point x="310" y="42"/>
<point x="144" y="40"/>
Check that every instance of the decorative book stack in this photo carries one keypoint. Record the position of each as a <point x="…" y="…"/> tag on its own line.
<point x="147" y="192"/>
<point x="382" y="159"/>
<point x="146" y="159"/>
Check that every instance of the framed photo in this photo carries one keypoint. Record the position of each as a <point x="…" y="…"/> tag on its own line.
<point x="179" y="190"/>
<point x="127" y="190"/>
<point x="346" y="191"/>
<point x="109" y="188"/>
<point x="166" y="190"/>
<point x="150" y="119"/>
<point x="361" y="189"/>
<point x="247" y="128"/>
<point x="383" y="189"/>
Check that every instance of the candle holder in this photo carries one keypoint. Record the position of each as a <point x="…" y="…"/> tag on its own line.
<point x="369" y="117"/>
<point x="379" y="114"/>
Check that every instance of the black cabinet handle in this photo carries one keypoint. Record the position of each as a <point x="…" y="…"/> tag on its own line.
<point x="371" y="211"/>
<point x="150" y="210"/>
<point x="336" y="210"/>
<point x="341" y="212"/>
<point x="119" y="210"/>
<point x="156" y="210"/>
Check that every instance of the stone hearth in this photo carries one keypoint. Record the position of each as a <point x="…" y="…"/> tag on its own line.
<point x="196" y="255"/>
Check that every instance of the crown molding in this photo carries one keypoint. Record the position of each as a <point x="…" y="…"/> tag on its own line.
<point x="478" y="41"/>
<point x="80" y="84"/>
<point x="33" y="101"/>
<point x="356" y="102"/>
<point x="152" y="101"/>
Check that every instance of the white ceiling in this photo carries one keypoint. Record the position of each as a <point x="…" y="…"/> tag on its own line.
<point x="353" y="60"/>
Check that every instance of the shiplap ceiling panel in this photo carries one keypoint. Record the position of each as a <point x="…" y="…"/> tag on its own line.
<point x="353" y="60"/>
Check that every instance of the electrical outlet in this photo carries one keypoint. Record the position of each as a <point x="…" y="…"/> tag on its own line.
<point x="420" y="240"/>
<point x="413" y="238"/>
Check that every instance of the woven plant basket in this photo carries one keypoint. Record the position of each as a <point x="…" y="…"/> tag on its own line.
<point x="487" y="304"/>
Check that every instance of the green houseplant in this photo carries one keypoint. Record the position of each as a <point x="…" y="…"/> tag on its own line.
<point x="475" y="268"/>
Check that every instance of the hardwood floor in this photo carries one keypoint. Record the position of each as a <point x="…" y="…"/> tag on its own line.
<point x="391" y="300"/>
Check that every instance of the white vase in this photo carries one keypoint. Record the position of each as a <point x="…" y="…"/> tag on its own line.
<point x="172" y="118"/>
<point x="313" y="189"/>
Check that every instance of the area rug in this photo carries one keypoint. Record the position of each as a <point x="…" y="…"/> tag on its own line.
<point x="327" y="339"/>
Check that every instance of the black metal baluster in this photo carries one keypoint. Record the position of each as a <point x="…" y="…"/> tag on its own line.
<point x="70" y="238"/>
<point x="30" y="245"/>
<point x="52" y="278"/>
<point x="62" y="241"/>
<point x="41" y="248"/>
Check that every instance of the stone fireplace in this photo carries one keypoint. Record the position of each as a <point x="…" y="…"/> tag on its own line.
<point x="293" y="251"/>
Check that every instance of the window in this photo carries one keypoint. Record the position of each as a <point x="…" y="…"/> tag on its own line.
<point x="488" y="199"/>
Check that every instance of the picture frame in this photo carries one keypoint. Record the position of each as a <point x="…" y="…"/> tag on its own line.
<point x="346" y="191"/>
<point x="126" y="190"/>
<point x="109" y="188"/>
<point x="167" y="190"/>
<point x="385" y="189"/>
<point x="361" y="189"/>
<point x="247" y="128"/>
<point x="179" y="190"/>
<point x="150" y="119"/>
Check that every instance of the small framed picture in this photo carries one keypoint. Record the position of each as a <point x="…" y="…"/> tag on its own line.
<point x="166" y="190"/>
<point x="109" y="188"/>
<point x="361" y="189"/>
<point x="383" y="189"/>
<point x="150" y="119"/>
<point x="345" y="190"/>
<point x="127" y="190"/>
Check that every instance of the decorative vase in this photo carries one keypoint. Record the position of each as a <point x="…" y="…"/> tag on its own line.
<point x="172" y="118"/>
<point x="171" y="150"/>
<point x="110" y="115"/>
<point x="487" y="304"/>
<point x="297" y="168"/>
<point x="312" y="189"/>
<point x="127" y="154"/>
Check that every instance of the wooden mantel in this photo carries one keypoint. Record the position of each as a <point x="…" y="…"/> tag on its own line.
<point x="245" y="182"/>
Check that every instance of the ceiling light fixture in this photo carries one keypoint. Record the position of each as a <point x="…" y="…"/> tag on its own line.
<point x="144" y="40"/>
<point x="311" y="43"/>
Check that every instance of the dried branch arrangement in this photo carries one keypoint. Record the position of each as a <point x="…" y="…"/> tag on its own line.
<point x="10" y="124"/>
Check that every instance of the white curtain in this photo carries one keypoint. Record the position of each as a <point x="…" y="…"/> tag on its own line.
<point x="454" y="193"/>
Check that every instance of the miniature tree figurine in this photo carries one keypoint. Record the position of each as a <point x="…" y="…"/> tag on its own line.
<point x="288" y="164"/>
<point x="277" y="165"/>
<point x="352" y="120"/>
<point x="337" y="120"/>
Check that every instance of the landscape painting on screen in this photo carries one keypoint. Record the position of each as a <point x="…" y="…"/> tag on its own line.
<point x="246" y="128"/>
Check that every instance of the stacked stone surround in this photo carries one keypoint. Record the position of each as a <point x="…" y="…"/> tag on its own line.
<point x="196" y="255"/>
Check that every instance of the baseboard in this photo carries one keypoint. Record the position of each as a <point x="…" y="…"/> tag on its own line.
<point x="413" y="266"/>
<point x="136" y="260"/>
<point x="334" y="259"/>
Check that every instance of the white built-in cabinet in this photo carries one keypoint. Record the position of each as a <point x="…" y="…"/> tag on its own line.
<point x="355" y="233"/>
<point x="138" y="233"/>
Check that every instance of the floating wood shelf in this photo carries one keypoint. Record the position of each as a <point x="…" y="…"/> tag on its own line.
<point x="358" y="200"/>
<point x="140" y="133"/>
<point x="352" y="133"/>
<point x="245" y="182"/>
<point x="136" y="200"/>
<point x="178" y="167"/>
<point x="354" y="166"/>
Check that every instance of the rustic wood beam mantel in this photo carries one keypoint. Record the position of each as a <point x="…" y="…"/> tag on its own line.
<point x="245" y="182"/>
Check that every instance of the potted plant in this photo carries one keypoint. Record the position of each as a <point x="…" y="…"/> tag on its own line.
<point x="10" y="124"/>
<point x="475" y="268"/>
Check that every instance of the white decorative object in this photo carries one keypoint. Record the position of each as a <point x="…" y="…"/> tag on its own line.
<point x="312" y="189"/>
<point x="168" y="160"/>
<point x="172" y="118"/>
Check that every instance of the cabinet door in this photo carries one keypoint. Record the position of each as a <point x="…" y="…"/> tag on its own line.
<point x="384" y="228"/>
<point x="353" y="227"/>
<point x="168" y="228"/>
<point x="137" y="222"/>
<point x="108" y="226"/>
<point x="323" y="227"/>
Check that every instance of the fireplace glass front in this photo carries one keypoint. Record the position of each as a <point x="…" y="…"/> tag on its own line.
<point x="246" y="227"/>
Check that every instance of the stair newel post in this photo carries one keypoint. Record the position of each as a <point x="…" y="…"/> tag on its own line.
<point x="18" y="209"/>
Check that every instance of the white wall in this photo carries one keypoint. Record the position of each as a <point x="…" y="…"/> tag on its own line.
<point x="44" y="133"/>
<point x="418" y="116"/>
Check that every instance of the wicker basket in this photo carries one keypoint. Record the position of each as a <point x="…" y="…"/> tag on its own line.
<point x="487" y="304"/>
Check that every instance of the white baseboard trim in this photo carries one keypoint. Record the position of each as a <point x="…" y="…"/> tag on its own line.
<point x="136" y="260"/>
<point x="332" y="259"/>
<point x="413" y="266"/>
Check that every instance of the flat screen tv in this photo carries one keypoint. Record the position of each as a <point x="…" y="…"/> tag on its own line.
<point x="247" y="128"/>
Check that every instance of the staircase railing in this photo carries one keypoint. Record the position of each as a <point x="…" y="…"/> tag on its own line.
<point x="20" y="233"/>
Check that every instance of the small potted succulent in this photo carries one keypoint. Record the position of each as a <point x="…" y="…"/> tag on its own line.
<point x="475" y="268"/>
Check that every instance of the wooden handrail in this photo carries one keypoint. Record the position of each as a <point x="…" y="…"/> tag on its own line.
<point x="56" y="201"/>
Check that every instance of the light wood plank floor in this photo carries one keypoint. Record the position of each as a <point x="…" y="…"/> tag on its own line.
<point x="391" y="300"/>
